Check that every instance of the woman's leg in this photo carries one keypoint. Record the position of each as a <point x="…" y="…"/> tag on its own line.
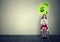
<point x="44" y="32"/>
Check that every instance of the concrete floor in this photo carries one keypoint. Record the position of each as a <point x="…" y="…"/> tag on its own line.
<point x="29" y="38"/>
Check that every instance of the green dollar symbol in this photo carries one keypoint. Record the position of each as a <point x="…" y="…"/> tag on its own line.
<point x="46" y="4"/>
<point x="46" y="12"/>
<point x="42" y="9"/>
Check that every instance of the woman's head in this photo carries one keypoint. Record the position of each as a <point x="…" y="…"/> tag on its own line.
<point x="44" y="16"/>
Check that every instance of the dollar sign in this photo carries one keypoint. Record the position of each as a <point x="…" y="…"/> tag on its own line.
<point x="46" y="12"/>
<point x="41" y="9"/>
<point x="46" y="4"/>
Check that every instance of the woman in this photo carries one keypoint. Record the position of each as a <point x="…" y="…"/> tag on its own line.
<point x="44" y="25"/>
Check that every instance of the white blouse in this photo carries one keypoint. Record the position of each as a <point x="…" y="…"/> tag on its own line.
<point x="44" y="21"/>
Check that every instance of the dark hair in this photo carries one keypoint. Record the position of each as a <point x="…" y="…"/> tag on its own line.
<point x="43" y="16"/>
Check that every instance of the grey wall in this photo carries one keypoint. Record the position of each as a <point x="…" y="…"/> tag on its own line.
<point x="54" y="21"/>
<point x="20" y="17"/>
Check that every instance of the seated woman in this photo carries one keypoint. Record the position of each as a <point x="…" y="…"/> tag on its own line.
<point x="44" y="25"/>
